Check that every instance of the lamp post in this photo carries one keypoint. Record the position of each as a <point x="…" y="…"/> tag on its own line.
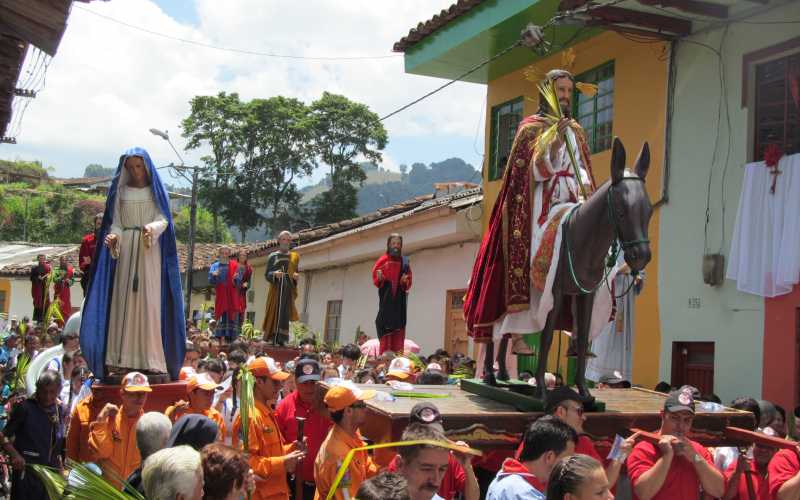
<point x="192" y="219"/>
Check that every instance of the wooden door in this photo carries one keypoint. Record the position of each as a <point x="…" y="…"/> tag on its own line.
<point x="455" y="328"/>
<point x="693" y="364"/>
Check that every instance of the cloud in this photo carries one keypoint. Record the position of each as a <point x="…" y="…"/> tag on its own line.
<point x="109" y="84"/>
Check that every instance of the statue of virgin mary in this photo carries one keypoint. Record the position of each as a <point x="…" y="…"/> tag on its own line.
<point x="133" y="317"/>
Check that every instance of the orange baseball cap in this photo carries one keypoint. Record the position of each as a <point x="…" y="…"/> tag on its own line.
<point x="136" y="382"/>
<point x="201" y="381"/>
<point x="344" y="395"/>
<point x="265" y="367"/>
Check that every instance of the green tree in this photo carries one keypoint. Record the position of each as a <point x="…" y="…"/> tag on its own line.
<point x="97" y="170"/>
<point x="345" y="132"/>
<point x="204" y="227"/>
<point x="216" y="122"/>
<point x="280" y="148"/>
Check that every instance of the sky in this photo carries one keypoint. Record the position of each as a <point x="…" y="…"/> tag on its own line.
<point x="109" y="83"/>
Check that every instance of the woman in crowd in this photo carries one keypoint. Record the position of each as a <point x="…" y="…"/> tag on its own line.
<point x="578" y="477"/>
<point x="226" y="472"/>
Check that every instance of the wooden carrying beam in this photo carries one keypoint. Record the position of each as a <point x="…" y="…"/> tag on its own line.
<point x="698" y="7"/>
<point x="746" y="437"/>
<point x="618" y="15"/>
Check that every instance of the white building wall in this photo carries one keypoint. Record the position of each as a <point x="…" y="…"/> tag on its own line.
<point x="689" y="309"/>
<point x="21" y="304"/>
<point x="435" y="272"/>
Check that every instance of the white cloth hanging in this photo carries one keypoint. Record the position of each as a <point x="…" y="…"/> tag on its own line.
<point x="765" y="249"/>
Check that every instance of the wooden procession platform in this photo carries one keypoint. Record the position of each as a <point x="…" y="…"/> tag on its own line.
<point x="485" y="423"/>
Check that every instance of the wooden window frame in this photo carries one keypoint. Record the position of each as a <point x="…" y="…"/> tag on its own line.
<point x="591" y="76"/>
<point x="496" y="169"/>
<point x="787" y="102"/>
<point x="330" y="339"/>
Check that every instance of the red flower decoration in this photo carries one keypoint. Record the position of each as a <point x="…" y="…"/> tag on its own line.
<point x="772" y="155"/>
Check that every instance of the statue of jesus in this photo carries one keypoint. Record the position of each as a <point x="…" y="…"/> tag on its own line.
<point x="133" y="317"/>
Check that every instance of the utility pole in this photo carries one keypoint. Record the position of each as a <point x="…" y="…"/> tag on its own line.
<point x="190" y="253"/>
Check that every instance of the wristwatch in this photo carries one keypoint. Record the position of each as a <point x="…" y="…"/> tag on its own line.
<point x="697" y="458"/>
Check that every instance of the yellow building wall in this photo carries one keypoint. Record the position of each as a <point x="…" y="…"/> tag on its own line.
<point x="5" y="286"/>
<point x="640" y="96"/>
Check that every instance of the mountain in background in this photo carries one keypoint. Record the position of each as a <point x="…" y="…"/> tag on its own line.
<point x="385" y="187"/>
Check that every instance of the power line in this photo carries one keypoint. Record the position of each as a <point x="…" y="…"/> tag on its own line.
<point x="232" y="49"/>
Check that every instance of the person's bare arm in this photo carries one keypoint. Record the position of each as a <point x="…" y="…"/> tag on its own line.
<point x="651" y="482"/>
<point x="790" y="490"/>
<point x="711" y="479"/>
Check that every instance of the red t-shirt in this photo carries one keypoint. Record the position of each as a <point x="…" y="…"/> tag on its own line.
<point x="760" y="486"/>
<point x="315" y="428"/>
<point x="681" y="482"/>
<point x="454" y="480"/>
<point x="783" y="466"/>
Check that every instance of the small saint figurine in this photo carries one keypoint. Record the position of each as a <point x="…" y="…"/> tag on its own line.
<point x="223" y="275"/>
<point x="39" y="290"/>
<point x="282" y="276"/>
<point x="63" y="280"/>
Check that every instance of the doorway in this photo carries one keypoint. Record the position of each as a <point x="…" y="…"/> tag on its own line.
<point x="455" y="328"/>
<point x="693" y="364"/>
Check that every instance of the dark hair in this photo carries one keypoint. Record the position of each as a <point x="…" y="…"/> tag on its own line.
<point x="191" y="347"/>
<point x="768" y="412"/>
<point x="663" y="387"/>
<point x="215" y="365"/>
<point x="391" y="237"/>
<point x="337" y="416"/>
<point x="224" y="469"/>
<point x="308" y="341"/>
<point x="351" y="351"/>
<point x="48" y="378"/>
<point x="237" y="356"/>
<point x="747" y="404"/>
<point x="240" y="345"/>
<point x="546" y="434"/>
<point x="362" y="375"/>
<point x="202" y="364"/>
<point x="432" y="377"/>
<point x="569" y="474"/>
<point x="67" y="358"/>
<point x="384" y="486"/>
<point x="416" y="432"/>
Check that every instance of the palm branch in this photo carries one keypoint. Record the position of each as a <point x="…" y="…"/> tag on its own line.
<point x="85" y="484"/>
<point x="54" y="312"/>
<point x="415" y="360"/>
<point x="249" y="331"/>
<point x="547" y="137"/>
<point x="246" y="405"/>
<point x="52" y="480"/>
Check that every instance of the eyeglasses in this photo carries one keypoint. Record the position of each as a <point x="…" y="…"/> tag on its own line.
<point x="577" y="409"/>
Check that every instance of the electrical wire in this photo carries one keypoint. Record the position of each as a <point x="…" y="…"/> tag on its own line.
<point x="235" y="50"/>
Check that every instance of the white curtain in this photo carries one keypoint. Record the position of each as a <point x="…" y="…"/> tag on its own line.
<point x="765" y="250"/>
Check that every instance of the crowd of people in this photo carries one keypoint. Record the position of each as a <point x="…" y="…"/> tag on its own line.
<point x="195" y="449"/>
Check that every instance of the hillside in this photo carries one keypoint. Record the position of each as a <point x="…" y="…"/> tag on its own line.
<point x="385" y="187"/>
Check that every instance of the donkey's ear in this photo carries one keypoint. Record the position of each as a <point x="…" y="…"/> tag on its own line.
<point x="643" y="161"/>
<point x="617" y="161"/>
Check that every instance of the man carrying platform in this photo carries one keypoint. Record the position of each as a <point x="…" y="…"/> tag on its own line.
<point x="565" y="404"/>
<point x="783" y="474"/>
<point x="112" y="436"/>
<point x="746" y="475"/>
<point x="200" y="391"/>
<point x="676" y="467"/>
<point x="269" y="455"/>
<point x="546" y="442"/>
<point x="348" y="410"/>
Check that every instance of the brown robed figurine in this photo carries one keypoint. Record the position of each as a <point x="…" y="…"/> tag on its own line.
<point x="282" y="276"/>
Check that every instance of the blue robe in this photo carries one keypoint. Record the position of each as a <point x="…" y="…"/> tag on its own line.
<point x="97" y="305"/>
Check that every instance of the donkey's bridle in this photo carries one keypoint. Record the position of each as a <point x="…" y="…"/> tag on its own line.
<point x="613" y="219"/>
<point x="614" y="249"/>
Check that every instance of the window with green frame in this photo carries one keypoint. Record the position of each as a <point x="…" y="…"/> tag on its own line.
<point x="505" y="119"/>
<point x="596" y="113"/>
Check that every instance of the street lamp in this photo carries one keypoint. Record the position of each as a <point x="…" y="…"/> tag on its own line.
<point x="192" y="217"/>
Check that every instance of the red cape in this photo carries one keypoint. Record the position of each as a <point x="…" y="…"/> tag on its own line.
<point x="501" y="276"/>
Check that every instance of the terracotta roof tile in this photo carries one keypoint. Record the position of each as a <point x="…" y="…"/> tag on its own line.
<point x="438" y="21"/>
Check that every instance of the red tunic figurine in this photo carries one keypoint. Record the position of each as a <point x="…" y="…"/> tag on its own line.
<point x="63" y="281"/>
<point x="392" y="275"/>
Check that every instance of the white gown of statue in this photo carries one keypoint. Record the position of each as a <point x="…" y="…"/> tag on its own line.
<point x="134" y="327"/>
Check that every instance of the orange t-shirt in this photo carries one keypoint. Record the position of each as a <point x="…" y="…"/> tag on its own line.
<point x="113" y="446"/>
<point x="329" y="460"/>
<point x="211" y="413"/>
<point x="267" y="450"/>
<point x="78" y="433"/>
